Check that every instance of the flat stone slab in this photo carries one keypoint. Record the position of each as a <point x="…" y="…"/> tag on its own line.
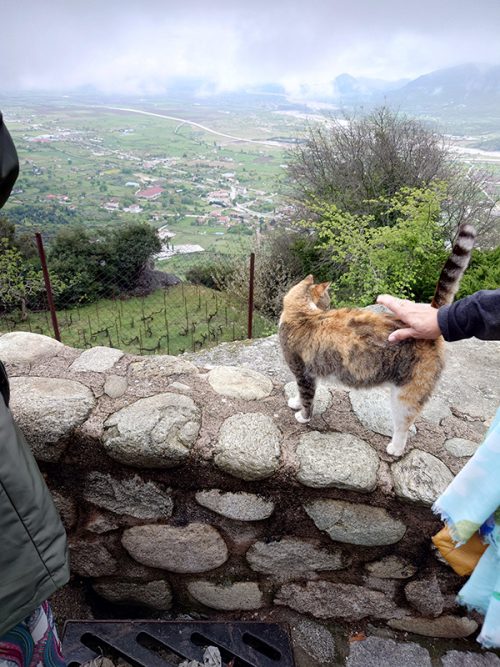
<point x="47" y="410"/>
<point x="460" y="447"/>
<point x="193" y="548"/>
<point x="292" y="557"/>
<point x="337" y="460"/>
<point x="376" y="651"/>
<point x="242" y="383"/>
<point x="373" y="409"/>
<point x="449" y="627"/>
<point x="115" y="386"/>
<point x="131" y="496"/>
<point x="420" y="477"/>
<point x="160" y="366"/>
<point x="425" y="596"/>
<point x="325" y="599"/>
<point x="154" y="432"/>
<point x="91" y="559"/>
<point x="153" y="594"/>
<point x="238" y="506"/>
<point x="242" y="595"/>
<point x="22" y="347"/>
<point x="469" y="659"/>
<point x="355" y="523"/>
<point x="248" y="446"/>
<point x="391" y="567"/>
<point x="96" y="360"/>
<point x="322" y="398"/>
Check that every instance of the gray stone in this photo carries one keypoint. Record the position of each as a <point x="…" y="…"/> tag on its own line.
<point x="160" y="366"/>
<point x="100" y="524"/>
<point x="242" y="595"/>
<point x="468" y="659"/>
<point x="262" y="354"/>
<point x="322" y="398"/>
<point x="448" y="627"/>
<point x="391" y="567"/>
<point x="239" y="506"/>
<point x="48" y="410"/>
<point x="241" y="383"/>
<point x="460" y="447"/>
<point x="66" y="508"/>
<point x="22" y="347"/>
<point x="153" y="594"/>
<point x="154" y="432"/>
<point x="420" y="477"/>
<point x="355" y="523"/>
<point x="425" y="596"/>
<point x="337" y="460"/>
<point x="248" y="446"/>
<point x="115" y="386"/>
<point x="291" y="557"/>
<point x="132" y="496"/>
<point x="180" y="386"/>
<point x="372" y="408"/>
<point x="315" y="640"/>
<point x="91" y="559"/>
<point x="324" y="599"/>
<point x="376" y="651"/>
<point x="96" y="360"/>
<point x="193" y="548"/>
<point x="469" y="381"/>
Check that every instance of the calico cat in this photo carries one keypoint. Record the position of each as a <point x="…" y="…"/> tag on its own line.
<point x="352" y="345"/>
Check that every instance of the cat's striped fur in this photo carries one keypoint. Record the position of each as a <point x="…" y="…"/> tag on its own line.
<point x="352" y="345"/>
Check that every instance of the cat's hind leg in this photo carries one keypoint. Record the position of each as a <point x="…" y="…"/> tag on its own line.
<point x="404" y="408"/>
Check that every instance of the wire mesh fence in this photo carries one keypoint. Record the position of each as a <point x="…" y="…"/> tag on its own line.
<point x="154" y="313"/>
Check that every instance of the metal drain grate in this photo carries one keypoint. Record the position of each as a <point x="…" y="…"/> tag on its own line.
<point x="168" y="643"/>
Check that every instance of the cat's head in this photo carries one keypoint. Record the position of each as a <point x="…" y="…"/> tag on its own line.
<point x="308" y="294"/>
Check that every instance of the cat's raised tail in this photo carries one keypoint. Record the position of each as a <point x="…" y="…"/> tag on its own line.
<point x="455" y="266"/>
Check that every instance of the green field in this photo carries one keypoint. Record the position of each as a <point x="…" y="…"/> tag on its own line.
<point x="170" y="321"/>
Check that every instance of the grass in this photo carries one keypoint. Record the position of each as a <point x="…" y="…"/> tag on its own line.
<point x="171" y="321"/>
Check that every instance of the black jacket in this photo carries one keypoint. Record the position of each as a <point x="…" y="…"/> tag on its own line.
<point x="9" y="164"/>
<point x="33" y="552"/>
<point x="476" y="315"/>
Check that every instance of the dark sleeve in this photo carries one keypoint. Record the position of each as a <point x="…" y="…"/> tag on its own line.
<point x="476" y="315"/>
<point x="9" y="163"/>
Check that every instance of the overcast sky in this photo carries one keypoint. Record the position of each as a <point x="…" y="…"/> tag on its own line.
<point x="137" y="45"/>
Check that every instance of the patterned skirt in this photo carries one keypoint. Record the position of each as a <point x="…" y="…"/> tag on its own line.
<point x="33" y="642"/>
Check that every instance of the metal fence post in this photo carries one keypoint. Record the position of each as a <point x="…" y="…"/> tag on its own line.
<point x="250" y="294"/>
<point x="48" y="286"/>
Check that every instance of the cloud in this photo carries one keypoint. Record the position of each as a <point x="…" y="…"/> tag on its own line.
<point x="130" y="46"/>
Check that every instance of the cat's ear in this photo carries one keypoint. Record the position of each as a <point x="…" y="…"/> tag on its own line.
<point x="323" y="287"/>
<point x="309" y="280"/>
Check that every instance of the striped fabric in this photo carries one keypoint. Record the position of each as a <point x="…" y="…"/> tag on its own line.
<point x="33" y="642"/>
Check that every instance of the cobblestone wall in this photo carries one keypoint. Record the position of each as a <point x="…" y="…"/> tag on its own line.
<point x="195" y="488"/>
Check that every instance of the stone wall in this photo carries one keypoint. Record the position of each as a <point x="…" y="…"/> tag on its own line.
<point x="188" y="484"/>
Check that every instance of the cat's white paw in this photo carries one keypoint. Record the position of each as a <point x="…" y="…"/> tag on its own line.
<point x="395" y="448"/>
<point x="295" y="403"/>
<point x="300" y="418"/>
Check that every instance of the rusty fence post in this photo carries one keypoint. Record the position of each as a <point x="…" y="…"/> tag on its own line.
<point x="250" y="294"/>
<point x="48" y="286"/>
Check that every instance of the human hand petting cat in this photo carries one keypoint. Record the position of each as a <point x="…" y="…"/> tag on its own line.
<point x="421" y="318"/>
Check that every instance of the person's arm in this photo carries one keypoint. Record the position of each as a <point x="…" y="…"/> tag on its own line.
<point x="9" y="163"/>
<point x="476" y="315"/>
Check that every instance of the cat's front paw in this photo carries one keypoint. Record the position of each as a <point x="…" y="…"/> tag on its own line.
<point x="295" y="403"/>
<point x="301" y="419"/>
<point x="395" y="448"/>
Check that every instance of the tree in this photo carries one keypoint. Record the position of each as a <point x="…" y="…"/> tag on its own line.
<point x="403" y="256"/>
<point x="355" y="161"/>
<point x="22" y="284"/>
